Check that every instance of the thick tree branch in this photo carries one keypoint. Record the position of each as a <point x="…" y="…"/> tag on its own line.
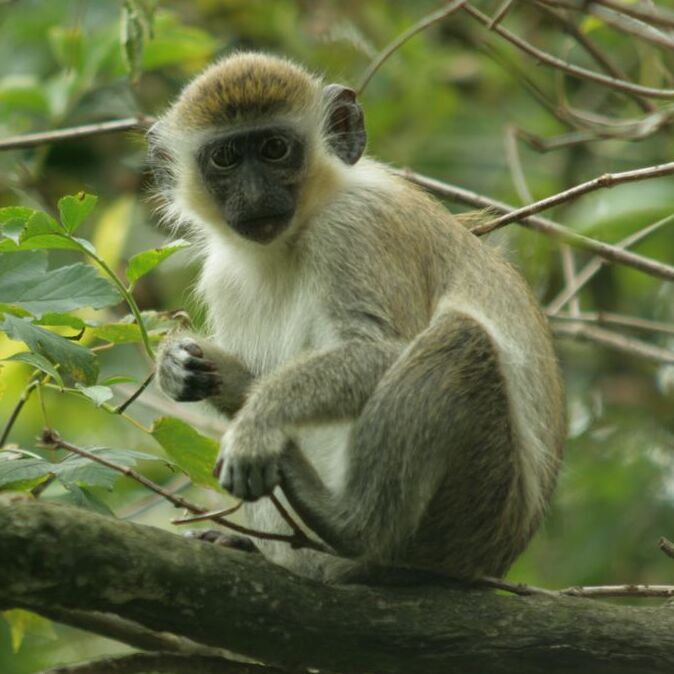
<point x="71" y="559"/>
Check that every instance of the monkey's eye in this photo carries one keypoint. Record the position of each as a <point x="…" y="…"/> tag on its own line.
<point x="225" y="156"/>
<point x="274" y="149"/>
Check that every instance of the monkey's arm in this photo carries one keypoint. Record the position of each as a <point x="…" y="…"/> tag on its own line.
<point x="191" y="368"/>
<point x="325" y="386"/>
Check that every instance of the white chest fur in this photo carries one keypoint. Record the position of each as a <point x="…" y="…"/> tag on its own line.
<point x="266" y="314"/>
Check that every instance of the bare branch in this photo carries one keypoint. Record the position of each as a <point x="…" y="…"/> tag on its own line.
<point x="583" y="73"/>
<point x="298" y="539"/>
<point x="14" y="415"/>
<point x="594" y="265"/>
<point x="136" y="394"/>
<point x="500" y="13"/>
<point x="591" y="48"/>
<point x="632" y="26"/>
<point x="587" y="591"/>
<point x="606" y="180"/>
<point x="164" y="663"/>
<point x="539" y="224"/>
<point x="398" y="42"/>
<point x="128" y="632"/>
<point x="649" y="13"/>
<point x="608" y="318"/>
<point x="615" y="341"/>
<point x="84" y="131"/>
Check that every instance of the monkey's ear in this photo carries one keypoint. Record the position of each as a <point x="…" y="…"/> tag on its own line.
<point x="345" y="128"/>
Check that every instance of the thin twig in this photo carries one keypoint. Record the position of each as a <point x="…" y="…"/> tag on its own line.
<point x="608" y="318"/>
<point x="500" y="13"/>
<point x="615" y="341"/>
<point x="594" y="265"/>
<point x="544" y="225"/>
<point x="146" y="382"/>
<point x="51" y="439"/>
<point x="577" y="71"/>
<point x="209" y="515"/>
<point x="587" y="591"/>
<point x="84" y="131"/>
<point x="603" y="181"/>
<point x="14" y="415"/>
<point x="647" y="13"/>
<point x="399" y="41"/>
<point x="632" y="26"/>
<point x="591" y="48"/>
<point x="164" y="663"/>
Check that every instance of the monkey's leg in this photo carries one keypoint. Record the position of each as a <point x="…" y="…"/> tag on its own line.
<point x="191" y="368"/>
<point x="432" y="469"/>
<point x="326" y="386"/>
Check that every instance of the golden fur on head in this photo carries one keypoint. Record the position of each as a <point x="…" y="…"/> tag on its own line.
<point x="246" y="86"/>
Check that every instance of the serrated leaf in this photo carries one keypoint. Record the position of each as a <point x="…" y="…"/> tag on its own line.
<point x="21" y="213"/>
<point x="192" y="452"/>
<point x="75" y="209"/>
<point x="38" y="224"/>
<point x="99" y="394"/>
<point x="43" y="241"/>
<point x="74" y="359"/>
<point x="144" y="262"/>
<point x="25" y="282"/>
<point x="39" y="362"/>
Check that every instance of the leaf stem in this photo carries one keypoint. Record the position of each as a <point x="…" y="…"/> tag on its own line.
<point x="128" y="297"/>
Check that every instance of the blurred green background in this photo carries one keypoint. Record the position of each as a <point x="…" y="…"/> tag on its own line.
<point x="442" y="106"/>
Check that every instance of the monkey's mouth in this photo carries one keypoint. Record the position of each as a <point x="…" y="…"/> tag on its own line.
<point x="263" y="229"/>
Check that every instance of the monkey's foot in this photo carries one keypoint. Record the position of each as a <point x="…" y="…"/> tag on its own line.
<point x="221" y="538"/>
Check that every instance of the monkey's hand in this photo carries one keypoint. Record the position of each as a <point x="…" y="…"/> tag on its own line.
<point x="248" y="463"/>
<point x="185" y="373"/>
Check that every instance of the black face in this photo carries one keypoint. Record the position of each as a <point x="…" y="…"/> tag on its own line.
<point x="253" y="177"/>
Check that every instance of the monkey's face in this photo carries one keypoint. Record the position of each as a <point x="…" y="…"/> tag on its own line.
<point x="253" y="176"/>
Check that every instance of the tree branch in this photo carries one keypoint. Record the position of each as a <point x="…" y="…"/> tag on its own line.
<point x="65" y="558"/>
<point x="169" y="663"/>
<point x="603" y="250"/>
<point x="60" y="135"/>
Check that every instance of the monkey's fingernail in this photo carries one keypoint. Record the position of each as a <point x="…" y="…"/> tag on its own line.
<point x="193" y="349"/>
<point x="217" y="468"/>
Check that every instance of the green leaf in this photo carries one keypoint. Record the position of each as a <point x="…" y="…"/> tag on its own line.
<point x="75" y="209"/>
<point x="192" y="452"/>
<point x="19" y="470"/>
<point x="39" y="362"/>
<point x="25" y="281"/>
<point x="99" y="394"/>
<point x="13" y="229"/>
<point x="74" y="359"/>
<point x="142" y="263"/>
<point x="38" y="224"/>
<point x="121" y="379"/>
<point x="174" y="43"/>
<point x="66" y="320"/>
<point x="23" y="92"/>
<point x="126" y="331"/>
<point x="15" y="213"/>
<point x="84" y="498"/>
<point x="25" y="622"/>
